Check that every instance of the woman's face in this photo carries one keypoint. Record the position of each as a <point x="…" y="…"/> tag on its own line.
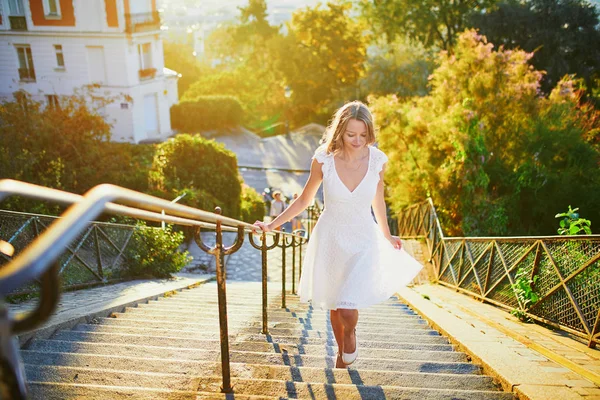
<point x="355" y="136"/>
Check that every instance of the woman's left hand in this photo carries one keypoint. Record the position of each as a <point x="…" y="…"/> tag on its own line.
<point x="395" y="241"/>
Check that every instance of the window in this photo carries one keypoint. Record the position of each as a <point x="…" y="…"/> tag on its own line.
<point x="60" y="59"/>
<point x="15" y="7"/>
<point x="52" y="101"/>
<point x="26" y="69"/>
<point x="145" y="51"/>
<point x="52" y="8"/>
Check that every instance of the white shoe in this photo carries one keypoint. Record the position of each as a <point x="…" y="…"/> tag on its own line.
<point x="349" y="358"/>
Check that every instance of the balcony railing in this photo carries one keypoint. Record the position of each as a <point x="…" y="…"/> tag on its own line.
<point x="142" y="22"/>
<point x="26" y="74"/>
<point x="17" y="22"/>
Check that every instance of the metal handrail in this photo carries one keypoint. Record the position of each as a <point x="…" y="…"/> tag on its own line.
<point x="568" y="270"/>
<point x="36" y="259"/>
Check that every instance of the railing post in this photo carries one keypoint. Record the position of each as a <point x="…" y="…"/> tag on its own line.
<point x="283" y="247"/>
<point x="219" y="251"/>
<point x="293" y="265"/>
<point x="98" y="253"/>
<point x="300" y="259"/>
<point x="222" y="298"/>
<point x="264" y="248"/>
<point x="263" y="251"/>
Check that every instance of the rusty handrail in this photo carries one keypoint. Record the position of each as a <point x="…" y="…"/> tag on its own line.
<point x="36" y="259"/>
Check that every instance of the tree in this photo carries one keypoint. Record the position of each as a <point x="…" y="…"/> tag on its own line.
<point x="564" y="34"/>
<point x="434" y="23"/>
<point x="323" y="54"/>
<point x="399" y="68"/>
<point x="179" y="57"/>
<point x="245" y="67"/>
<point x="65" y="146"/>
<point x="496" y="156"/>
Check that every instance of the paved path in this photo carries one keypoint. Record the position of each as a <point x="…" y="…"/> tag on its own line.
<point x="84" y="305"/>
<point x="537" y="363"/>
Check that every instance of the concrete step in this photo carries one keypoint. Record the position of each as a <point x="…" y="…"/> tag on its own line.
<point x="364" y="315"/>
<point x="259" y="344"/>
<point x="278" y="354"/>
<point x="349" y="391"/>
<point x="190" y="381"/>
<point x="265" y="387"/>
<point x="273" y="315"/>
<point x="159" y="348"/>
<point x="294" y="330"/>
<point x="428" y="338"/>
<point x="239" y="320"/>
<point x="290" y="303"/>
<point x="248" y="308"/>
<point x="166" y="365"/>
<point x="68" y="391"/>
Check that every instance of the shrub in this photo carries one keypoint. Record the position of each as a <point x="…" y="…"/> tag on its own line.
<point x="205" y="113"/>
<point x="155" y="252"/>
<point x="202" y="167"/>
<point x="253" y="205"/>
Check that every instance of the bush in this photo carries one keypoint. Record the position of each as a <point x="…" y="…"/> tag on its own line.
<point x="155" y="252"/>
<point x="203" y="168"/>
<point x="253" y="205"/>
<point x="205" y="113"/>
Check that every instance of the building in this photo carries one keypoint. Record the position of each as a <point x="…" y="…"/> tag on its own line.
<point x="50" y="48"/>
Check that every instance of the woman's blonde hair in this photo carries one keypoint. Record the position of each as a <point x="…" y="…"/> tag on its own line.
<point x="332" y="140"/>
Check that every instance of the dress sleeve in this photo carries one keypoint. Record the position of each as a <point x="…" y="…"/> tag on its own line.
<point x="323" y="158"/>
<point x="379" y="159"/>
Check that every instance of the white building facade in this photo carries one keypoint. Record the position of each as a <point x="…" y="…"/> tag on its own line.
<point x="50" y="48"/>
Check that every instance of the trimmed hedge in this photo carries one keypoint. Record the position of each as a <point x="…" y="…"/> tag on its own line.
<point x="205" y="113"/>
<point x="203" y="168"/>
<point x="253" y="205"/>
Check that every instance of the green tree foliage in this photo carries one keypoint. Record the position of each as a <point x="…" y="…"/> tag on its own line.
<point x="565" y="35"/>
<point x="434" y="23"/>
<point x="205" y="113"/>
<point x="62" y="146"/>
<point x="399" y="68"/>
<point x="65" y="148"/>
<point x="246" y="66"/>
<point x="155" y="252"/>
<point x="180" y="58"/>
<point x="494" y="154"/>
<point x="253" y="205"/>
<point x="198" y="165"/>
<point x="323" y="54"/>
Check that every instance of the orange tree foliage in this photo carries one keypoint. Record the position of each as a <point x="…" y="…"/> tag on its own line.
<point x="496" y="156"/>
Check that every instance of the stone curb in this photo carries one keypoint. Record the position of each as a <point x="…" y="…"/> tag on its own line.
<point x="84" y="315"/>
<point x="492" y="350"/>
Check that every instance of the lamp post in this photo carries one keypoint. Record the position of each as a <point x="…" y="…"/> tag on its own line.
<point x="175" y="200"/>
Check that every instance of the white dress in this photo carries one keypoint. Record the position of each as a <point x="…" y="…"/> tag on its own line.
<point x="349" y="263"/>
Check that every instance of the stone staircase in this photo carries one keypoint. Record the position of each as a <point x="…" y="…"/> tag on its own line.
<point x="169" y="349"/>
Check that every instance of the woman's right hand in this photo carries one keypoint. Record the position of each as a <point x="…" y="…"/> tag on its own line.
<point x="263" y="226"/>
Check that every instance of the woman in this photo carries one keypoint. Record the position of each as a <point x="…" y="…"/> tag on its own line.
<point x="351" y="261"/>
<point x="297" y="220"/>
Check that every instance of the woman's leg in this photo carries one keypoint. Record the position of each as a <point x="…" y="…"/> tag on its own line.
<point x="349" y="319"/>
<point x="338" y="332"/>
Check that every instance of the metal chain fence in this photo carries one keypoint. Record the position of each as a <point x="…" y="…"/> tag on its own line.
<point x="554" y="279"/>
<point x="96" y="256"/>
